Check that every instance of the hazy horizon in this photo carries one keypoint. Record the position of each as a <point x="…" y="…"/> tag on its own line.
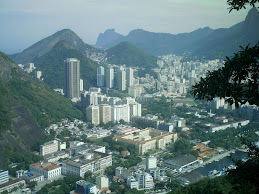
<point x="26" y="22"/>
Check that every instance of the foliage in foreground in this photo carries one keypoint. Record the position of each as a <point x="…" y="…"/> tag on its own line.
<point x="237" y="80"/>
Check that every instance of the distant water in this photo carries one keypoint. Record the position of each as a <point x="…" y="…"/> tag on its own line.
<point x="225" y="162"/>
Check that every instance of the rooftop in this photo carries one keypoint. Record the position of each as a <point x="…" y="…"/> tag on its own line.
<point x="46" y="166"/>
<point x="181" y="160"/>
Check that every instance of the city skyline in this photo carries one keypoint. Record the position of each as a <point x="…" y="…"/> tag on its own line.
<point x="89" y="18"/>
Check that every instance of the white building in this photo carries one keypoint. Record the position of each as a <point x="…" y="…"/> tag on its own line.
<point x="151" y="163"/>
<point x="81" y="85"/>
<point x="48" y="170"/>
<point x="83" y="186"/>
<point x="49" y="147"/>
<point x="145" y="181"/>
<point x="100" y="76"/>
<point x="121" y="80"/>
<point x="129" y="77"/>
<point x="4" y="176"/>
<point x="132" y="182"/>
<point x="92" y="114"/>
<point x="102" y="181"/>
<point x="32" y="176"/>
<point x="109" y="77"/>
<point x="19" y="183"/>
<point x="94" y="162"/>
<point x="38" y="74"/>
<point x="135" y="109"/>
<point x="121" y="112"/>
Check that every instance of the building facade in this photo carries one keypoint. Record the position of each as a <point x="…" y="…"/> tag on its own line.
<point x="129" y="77"/>
<point x="4" y="176"/>
<point x="105" y="113"/>
<point x="48" y="170"/>
<point x="121" y="80"/>
<point x="72" y="78"/>
<point x="100" y="76"/>
<point x="90" y="162"/>
<point x="109" y="77"/>
<point x="92" y="114"/>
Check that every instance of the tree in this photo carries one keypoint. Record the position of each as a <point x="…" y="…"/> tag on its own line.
<point x="240" y="4"/>
<point x="33" y="184"/>
<point x="238" y="79"/>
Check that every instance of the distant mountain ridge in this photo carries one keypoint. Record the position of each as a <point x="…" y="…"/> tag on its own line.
<point x="202" y="42"/>
<point x="45" y="45"/>
<point x="107" y="38"/>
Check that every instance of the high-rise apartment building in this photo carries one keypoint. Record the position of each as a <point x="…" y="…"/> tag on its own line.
<point x="121" y="112"/>
<point x="121" y="80"/>
<point x="100" y="76"/>
<point x="109" y="77"/>
<point x="129" y="76"/>
<point x="92" y="114"/>
<point x="72" y="78"/>
<point x="105" y="113"/>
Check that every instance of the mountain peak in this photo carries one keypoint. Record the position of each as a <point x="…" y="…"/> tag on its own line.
<point x="252" y="19"/>
<point x="107" y="38"/>
<point x="46" y="44"/>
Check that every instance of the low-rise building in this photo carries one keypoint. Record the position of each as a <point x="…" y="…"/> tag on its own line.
<point x="182" y="162"/>
<point x="79" y="165"/>
<point x="148" y="139"/>
<point x="54" y="157"/>
<point x="8" y="186"/>
<point x="52" y="146"/>
<point x="4" y="176"/>
<point x="48" y="170"/>
<point x="215" y="128"/>
<point x="83" y="186"/>
<point x="32" y="176"/>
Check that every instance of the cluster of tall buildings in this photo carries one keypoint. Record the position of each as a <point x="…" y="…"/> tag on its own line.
<point x="103" y="109"/>
<point x="119" y="78"/>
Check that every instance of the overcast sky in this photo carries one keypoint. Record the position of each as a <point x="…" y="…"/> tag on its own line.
<point x="24" y="22"/>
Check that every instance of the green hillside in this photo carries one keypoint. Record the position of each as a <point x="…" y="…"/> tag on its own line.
<point x="26" y="106"/>
<point x="52" y="65"/>
<point x="128" y="54"/>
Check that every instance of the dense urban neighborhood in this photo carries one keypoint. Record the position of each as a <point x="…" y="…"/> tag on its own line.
<point x="123" y="116"/>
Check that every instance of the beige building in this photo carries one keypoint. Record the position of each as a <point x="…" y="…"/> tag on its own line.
<point x="52" y="146"/>
<point x="105" y="113"/>
<point x="148" y="139"/>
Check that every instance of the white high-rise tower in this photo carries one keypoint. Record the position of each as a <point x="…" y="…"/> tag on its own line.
<point x="100" y="76"/>
<point x="109" y="77"/>
<point x="129" y="75"/>
<point x="121" y="80"/>
<point x="72" y="78"/>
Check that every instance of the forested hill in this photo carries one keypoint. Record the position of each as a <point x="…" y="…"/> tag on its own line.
<point x="26" y="106"/>
<point x="45" y="45"/>
<point x="128" y="54"/>
<point x="53" y="70"/>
